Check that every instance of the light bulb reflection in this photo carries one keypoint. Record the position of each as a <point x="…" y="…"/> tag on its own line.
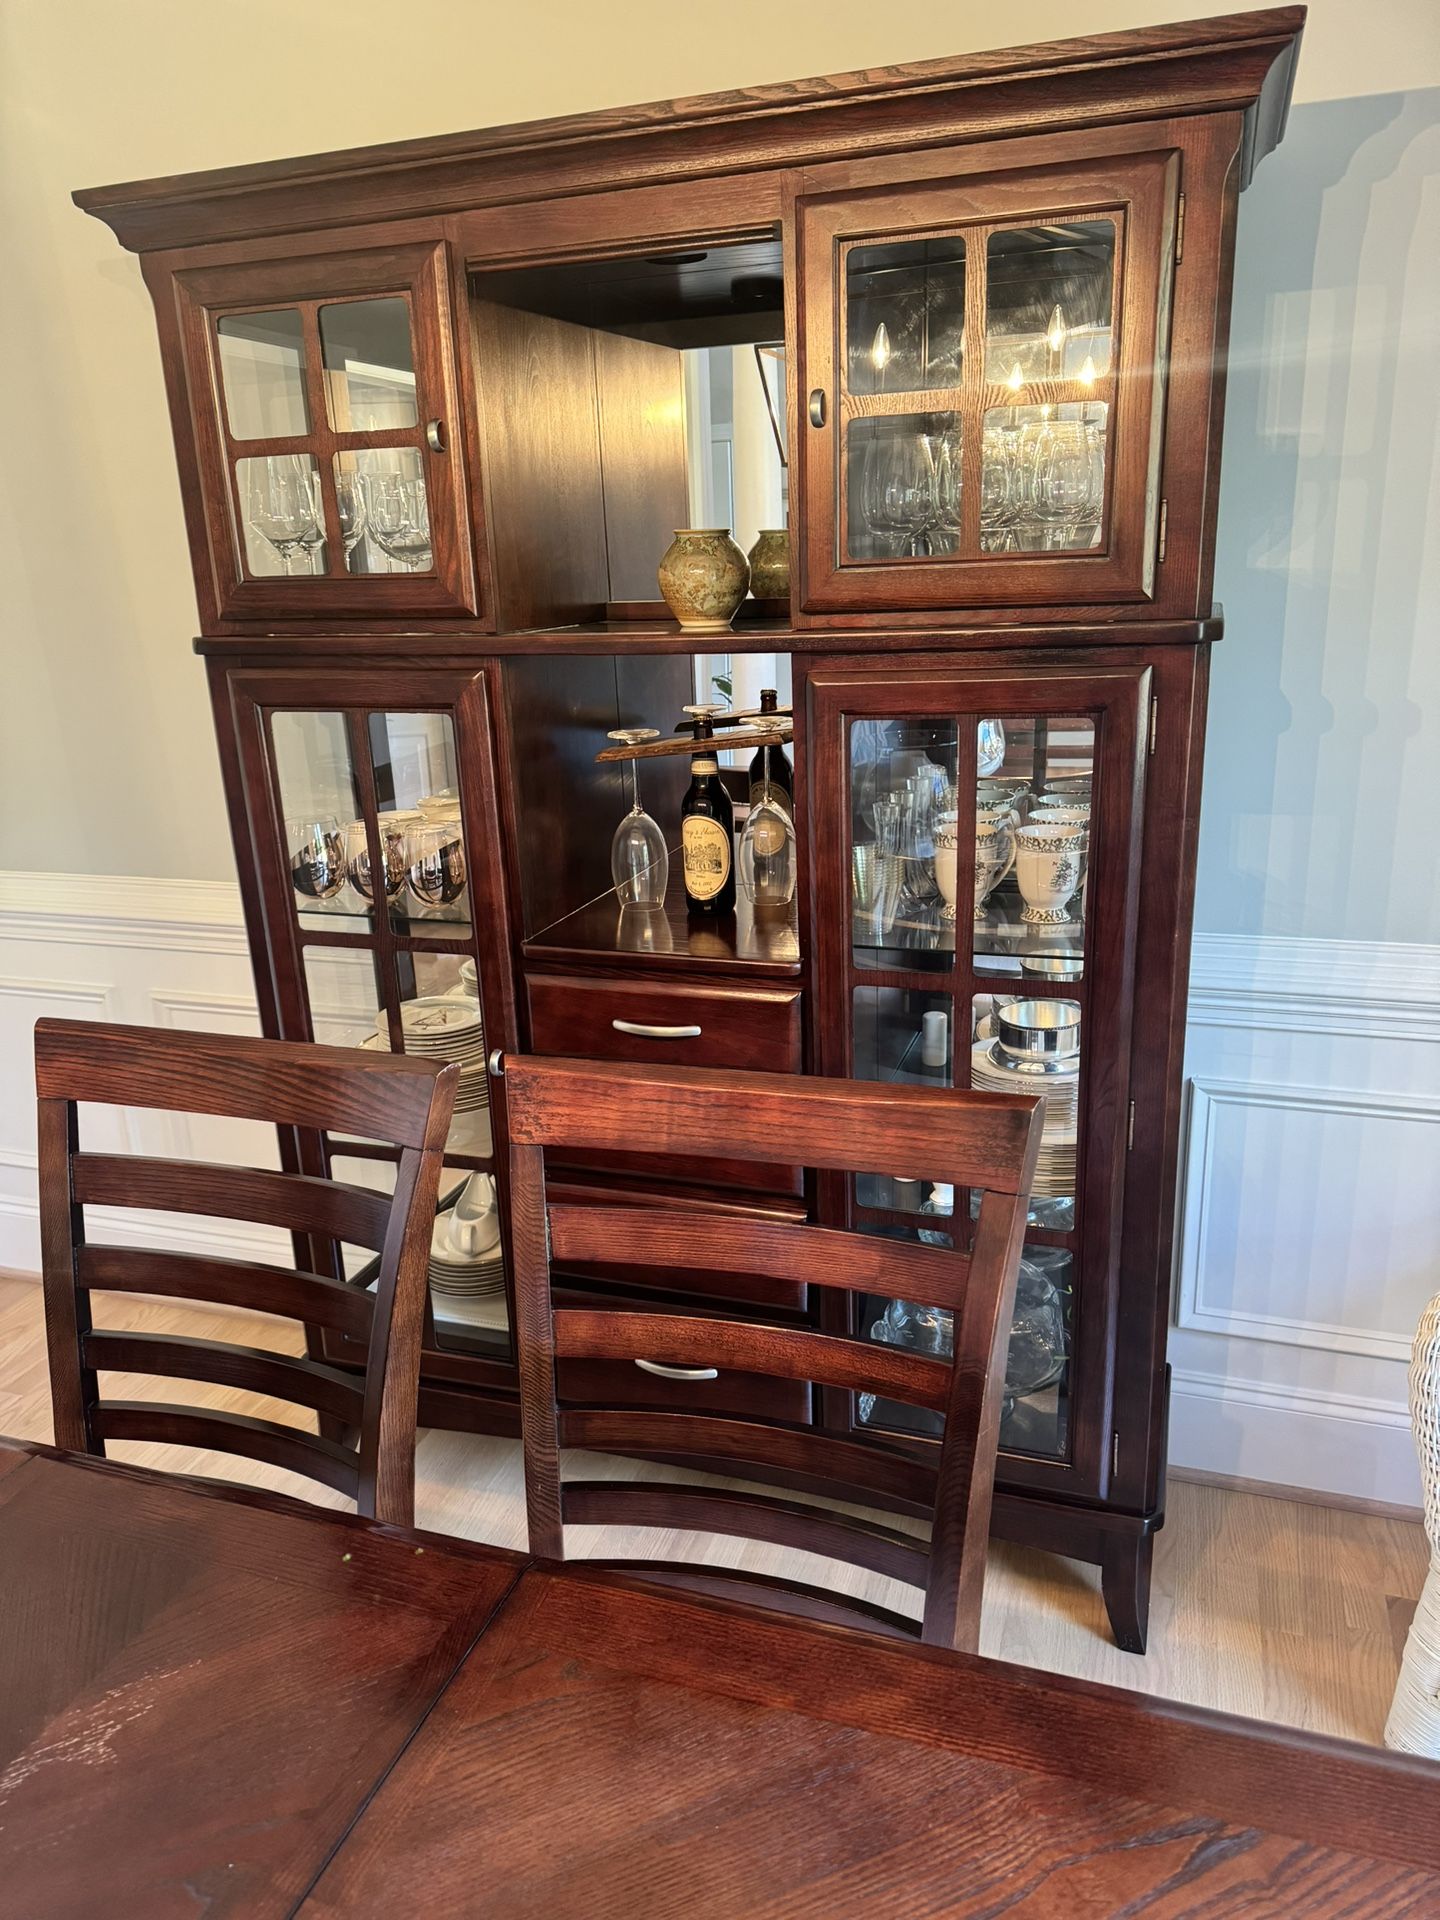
<point x="1056" y="333"/>
<point x="1087" y="373"/>
<point x="880" y="349"/>
<point x="1016" y="378"/>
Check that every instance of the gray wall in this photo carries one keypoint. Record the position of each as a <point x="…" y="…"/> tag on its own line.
<point x="1323" y="752"/>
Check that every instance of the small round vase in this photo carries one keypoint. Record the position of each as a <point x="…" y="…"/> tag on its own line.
<point x="703" y="578"/>
<point x="770" y="565"/>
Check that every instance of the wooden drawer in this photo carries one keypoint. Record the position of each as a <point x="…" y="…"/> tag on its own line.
<point x="708" y="1026"/>
<point x="746" y="1027"/>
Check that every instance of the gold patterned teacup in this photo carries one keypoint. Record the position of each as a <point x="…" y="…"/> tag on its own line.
<point x="1047" y="870"/>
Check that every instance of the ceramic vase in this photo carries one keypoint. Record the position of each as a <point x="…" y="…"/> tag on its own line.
<point x="703" y="578"/>
<point x="770" y="565"/>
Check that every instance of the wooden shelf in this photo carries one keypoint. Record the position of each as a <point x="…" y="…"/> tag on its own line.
<point x="740" y="943"/>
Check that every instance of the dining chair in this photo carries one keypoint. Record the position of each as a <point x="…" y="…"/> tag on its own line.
<point x="982" y="1142"/>
<point x="405" y="1103"/>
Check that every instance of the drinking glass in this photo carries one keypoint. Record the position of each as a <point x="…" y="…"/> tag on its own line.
<point x="357" y="855"/>
<point x="1063" y="481"/>
<point x="350" y="504"/>
<point x="316" y="850"/>
<point x="435" y="855"/>
<point x="283" y="506"/>
<point x="943" y="531"/>
<point x="899" y="490"/>
<point x="639" y="858"/>
<point x="397" y="511"/>
<point x="767" y="846"/>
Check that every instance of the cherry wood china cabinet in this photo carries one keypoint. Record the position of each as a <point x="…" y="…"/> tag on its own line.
<point x="438" y="407"/>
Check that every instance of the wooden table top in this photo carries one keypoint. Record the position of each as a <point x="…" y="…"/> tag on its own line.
<point x="217" y="1705"/>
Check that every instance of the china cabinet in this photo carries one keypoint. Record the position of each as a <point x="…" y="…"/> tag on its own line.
<point x="439" y="409"/>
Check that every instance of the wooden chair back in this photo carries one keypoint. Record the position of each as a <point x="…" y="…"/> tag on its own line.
<point x="406" y="1103"/>
<point x="979" y="1141"/>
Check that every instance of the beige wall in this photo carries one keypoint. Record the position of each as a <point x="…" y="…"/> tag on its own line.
<point x="108" y="762"/>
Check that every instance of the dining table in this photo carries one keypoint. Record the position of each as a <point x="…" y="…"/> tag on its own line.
<point x="216" y="1702"/>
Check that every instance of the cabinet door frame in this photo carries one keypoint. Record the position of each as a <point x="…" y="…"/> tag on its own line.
<point x="416" y="272"/>
<point x="1141" y="190"/>
<point x="1118" y="700"/>
<point x="470" y="699"/>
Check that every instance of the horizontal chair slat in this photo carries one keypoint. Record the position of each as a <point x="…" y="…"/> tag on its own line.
<point x="770" y="1591"/>
<point x="787" y="1353"/>
<point x="301" y="1203"/>
<point x="310" y="1297"/>
<point x="174" y="1356"/>
<point x="806" y="1255"/>
<point x="380" y="1096"/>
<point x="751" y="1516"/>
<point x="237" y="1433"/>
<point x="866" y="1466"/>
<point x="976" y="1140"/>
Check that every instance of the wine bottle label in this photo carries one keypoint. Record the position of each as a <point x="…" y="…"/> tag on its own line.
<point x="705" y="848"/>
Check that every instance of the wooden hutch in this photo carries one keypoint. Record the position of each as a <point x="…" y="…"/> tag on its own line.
<point x="463" y="358"/>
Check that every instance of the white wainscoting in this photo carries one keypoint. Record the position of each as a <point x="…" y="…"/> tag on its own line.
<point x="1310" y="1206"/>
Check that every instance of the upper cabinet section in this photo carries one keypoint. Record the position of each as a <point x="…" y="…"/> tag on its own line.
<point x="982" y="386"/>
<point x="326" y="422"/>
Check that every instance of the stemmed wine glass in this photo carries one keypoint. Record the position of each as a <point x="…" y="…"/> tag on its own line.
<point x="316" y="849"/>
<point x="283" y="506"/>
<point x="397" y="511"/>
<point x="639" y="858"/>
<point x="350" y="504"/>
<point x="898" y="484"/>
<point x="767" y="846"/>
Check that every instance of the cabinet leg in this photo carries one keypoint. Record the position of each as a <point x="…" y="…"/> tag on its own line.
<point x="1125" y="1564"/>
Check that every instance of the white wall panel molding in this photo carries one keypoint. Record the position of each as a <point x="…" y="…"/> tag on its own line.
<point x="115" y="910"/>
<point x="1315" y="987"/>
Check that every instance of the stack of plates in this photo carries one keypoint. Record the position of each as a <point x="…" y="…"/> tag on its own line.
<point x="444" y="1027"/>
<point x="992" y="1071"/>
<point x="455" y="1277"/>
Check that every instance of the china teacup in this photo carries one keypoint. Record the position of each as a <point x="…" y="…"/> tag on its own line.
<point x="1047" y="870"/>
<point x="994" y="857"/>
<point x="1061" y="817"/>
<point x="947" y="841"/>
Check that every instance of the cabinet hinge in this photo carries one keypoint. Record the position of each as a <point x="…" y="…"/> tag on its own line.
<point x="1115" y="1453"/>
<point x="1164" y="532"/>
<point x="1180" y="231"/>
<point x="1130" y="1129"/>
<point x="1154" y="718"/>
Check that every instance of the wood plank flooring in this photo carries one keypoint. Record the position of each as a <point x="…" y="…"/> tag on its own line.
<point x="1284" y="1611"/>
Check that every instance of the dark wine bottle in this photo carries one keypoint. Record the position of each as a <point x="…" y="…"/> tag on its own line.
<point x="782" y="774"/>
<point x="707" y="833"/>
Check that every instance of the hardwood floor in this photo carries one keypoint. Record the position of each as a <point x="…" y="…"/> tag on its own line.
<point x="1285" y="1611"/>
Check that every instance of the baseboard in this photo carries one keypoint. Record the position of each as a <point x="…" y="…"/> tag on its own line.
<point x="1306" y="1496"/>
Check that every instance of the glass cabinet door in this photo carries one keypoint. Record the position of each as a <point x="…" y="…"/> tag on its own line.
<point x="383" y="929"/>
<point x="981" y="921"/>
<point x="977" y="354"/>
<point x="329" y="477"/>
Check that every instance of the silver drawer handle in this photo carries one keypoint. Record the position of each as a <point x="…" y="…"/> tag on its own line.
<point x="655" y="1033"/>
<point x="679" y="1373"/>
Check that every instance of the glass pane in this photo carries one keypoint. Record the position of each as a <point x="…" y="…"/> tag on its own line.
<point x="417" y="786"/>
<point x="262" y="369"/>
<point x="369" y="365"/>
<point x="1042" y="478"/>
<point x="278" y="500"/>
<point x="903" y="1037"/>
<point x="902" y="775"/>
<point x="902" y="486"/>
<point x="384" y="510"/>
<point x="1048" y="303"/>
<point x="342" y="986"/>
<point x="1032" y="849"/>
<point x="905" y="315"/>
<point x="317" y="803"/>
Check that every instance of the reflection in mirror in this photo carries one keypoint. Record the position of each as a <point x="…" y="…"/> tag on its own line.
<point x="905" y="315"/>
<point x="262" y="369"/>
<point x="1048" y="300"/>
<point x="369" y="365"/>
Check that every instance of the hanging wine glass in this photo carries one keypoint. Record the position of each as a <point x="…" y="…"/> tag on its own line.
<point x="397" y="511"/>
<point x="316" y="849"/>
<point x="639" y="858"/>
<point x="767" y="846"/>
